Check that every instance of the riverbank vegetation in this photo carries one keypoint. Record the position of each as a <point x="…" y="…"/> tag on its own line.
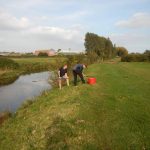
<point x="112" y="114"/>
<point x="12" y="68"/>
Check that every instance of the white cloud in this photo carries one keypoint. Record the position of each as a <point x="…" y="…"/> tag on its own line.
<point x="28" y="35"/>
<point x="55" y="32"/>
<point x="134" y="42"/>
<point x="138" y="20"/>
<point x="9" y="22"/>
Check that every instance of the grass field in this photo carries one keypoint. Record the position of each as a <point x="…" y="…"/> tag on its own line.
<point x="34" y="60"/>
<point x="113" y="114"/>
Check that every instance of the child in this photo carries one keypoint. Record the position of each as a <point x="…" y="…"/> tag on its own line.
<point x="62" y="74"/>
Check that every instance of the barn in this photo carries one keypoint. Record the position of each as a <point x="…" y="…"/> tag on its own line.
<point x="50" y="52"/>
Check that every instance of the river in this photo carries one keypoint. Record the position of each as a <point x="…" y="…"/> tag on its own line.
<point x="24" y="88"/>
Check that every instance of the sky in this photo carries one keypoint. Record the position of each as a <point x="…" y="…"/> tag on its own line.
<point x="29" y="25"/>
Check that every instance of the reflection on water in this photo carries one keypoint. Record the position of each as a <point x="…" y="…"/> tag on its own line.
<point x="26" y="87"/>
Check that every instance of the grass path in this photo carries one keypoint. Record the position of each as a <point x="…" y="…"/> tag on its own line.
<point x="114" y="114"/>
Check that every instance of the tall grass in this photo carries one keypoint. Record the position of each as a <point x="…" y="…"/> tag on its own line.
<point x="7" y="63"/>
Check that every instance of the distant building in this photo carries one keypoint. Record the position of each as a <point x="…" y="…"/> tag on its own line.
<point x="4" y="53"/>
<point x="50" y="52"/>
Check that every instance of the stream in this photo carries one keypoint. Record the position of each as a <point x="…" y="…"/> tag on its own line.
<point x="24" y="88"/>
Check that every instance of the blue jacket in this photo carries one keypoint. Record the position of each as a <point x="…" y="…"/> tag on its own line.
<point x="78" y="68"/>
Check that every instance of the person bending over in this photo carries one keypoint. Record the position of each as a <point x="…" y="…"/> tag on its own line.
<point x="62" y="74"/>
<point x="78" y="71"/>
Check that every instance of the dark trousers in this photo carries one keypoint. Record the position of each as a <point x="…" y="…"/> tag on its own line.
<point x="75" y="74"/>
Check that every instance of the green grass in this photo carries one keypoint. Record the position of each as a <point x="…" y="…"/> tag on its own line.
<point x="35" y="60"/>
<point x="114" y="114"/>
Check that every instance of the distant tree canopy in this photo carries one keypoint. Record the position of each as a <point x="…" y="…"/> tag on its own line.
<point x="43" y="54"/>
<point x="121" y="51"/>
<point x="147" y="52"/>
<point x="98" y="46"/>
<point x="137" y="57"/>
<point x="59" y="50"/>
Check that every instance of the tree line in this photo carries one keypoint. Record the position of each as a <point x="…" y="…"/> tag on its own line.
<point x="136" y="57"/>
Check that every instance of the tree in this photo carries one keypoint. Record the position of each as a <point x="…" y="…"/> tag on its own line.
<point x="59" y="50"/>
<point x="108" y="48"/>
<point x="99" y="45"/>
<point x="147" y="52"/>
<point x="121" y="51"/>
<point x="43" y="54"/>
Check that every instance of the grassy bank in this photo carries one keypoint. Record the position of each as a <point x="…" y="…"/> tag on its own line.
<point x="28" y="65"/>
<point x="114" y="114"/>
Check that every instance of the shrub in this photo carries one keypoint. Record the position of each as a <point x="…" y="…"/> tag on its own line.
<point x="41" y="54"/>
<point x="121" y="51"/>
<point x="92" y="57"/>
<point x="6" y="63"/>
<point x="75" y="59"/>
<point x="135" y="57"/>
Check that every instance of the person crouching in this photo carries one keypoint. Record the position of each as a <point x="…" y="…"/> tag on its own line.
<point x="78" y="71"/>
<point x="62" y="75"/>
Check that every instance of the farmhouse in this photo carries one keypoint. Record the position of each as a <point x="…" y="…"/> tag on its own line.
<point x="50" y="52"/>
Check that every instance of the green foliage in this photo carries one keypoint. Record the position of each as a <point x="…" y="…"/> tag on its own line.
<point x="100" y="46"/>
<point x="76" y="59"/>
<point x="34" y="67"/>
<point x="147" y="52"/>
<point x="6" y="63"/>
<point x="92" y="57"/>
<point x="121" y="51"/>
<point x="59" y="50"/>
<point x="42" y="54"/>
<point x="136" y="57"/>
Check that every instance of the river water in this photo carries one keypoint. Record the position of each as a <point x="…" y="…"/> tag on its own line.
<point x="24" y="88"/>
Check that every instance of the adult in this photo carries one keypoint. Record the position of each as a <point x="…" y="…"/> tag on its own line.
<point x="78" y="71"/>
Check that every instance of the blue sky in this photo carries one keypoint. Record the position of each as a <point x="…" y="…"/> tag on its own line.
<point x="42" y="24"/>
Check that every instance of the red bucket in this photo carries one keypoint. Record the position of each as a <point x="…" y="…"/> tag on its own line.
<point x="91" y="80"/>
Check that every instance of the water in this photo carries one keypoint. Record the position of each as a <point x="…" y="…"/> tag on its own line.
<point x="26" y="87"/>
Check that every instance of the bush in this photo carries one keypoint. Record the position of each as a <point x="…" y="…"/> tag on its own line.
<point x="6" y="63"/>
<point x="92" y="57"/>
<point x="121" y="51"/>
<point x="43" y="54"/>
<point x="135" y="57"/>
